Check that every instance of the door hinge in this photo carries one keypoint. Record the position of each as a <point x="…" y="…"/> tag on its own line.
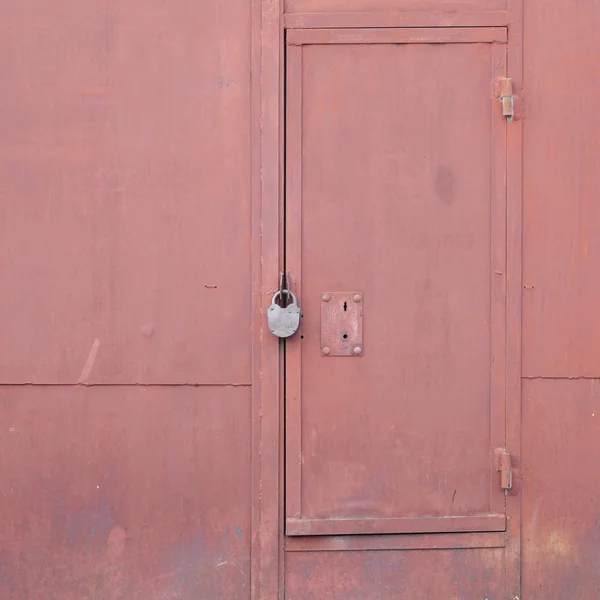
<point x="506" y="97"/>
<point x="505" y="469"/>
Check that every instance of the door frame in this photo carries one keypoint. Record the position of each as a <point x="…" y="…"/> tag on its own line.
<point x="268" y="543"/>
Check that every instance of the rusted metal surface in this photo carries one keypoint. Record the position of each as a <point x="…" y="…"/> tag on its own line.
<point x="125" y="234"/>
<point x="561" y="294"/>
<point x="445" y="541"/>
<point x="342" y="324"/>
<point x="433" y="574"/>
<point x="561" y="288"/>
<point x="561" y="444"/>
<point x="125" y="259"/>
<point x="373" y="444"/>
<point x="125" y="191"/>
<point x="115" y="493"/>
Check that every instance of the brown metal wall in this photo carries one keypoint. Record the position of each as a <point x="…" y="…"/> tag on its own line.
<point x="124" y="259"/>
<point x="113" y="493"/>
<point x="125" y="179"/>
<point x="561" y="321"/>
<point x="426" y="574"/>
<point x="124" y="255"/>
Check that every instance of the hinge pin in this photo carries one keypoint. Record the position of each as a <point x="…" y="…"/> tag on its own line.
<point x="506" y="472"/>
<point x="508" y="106"/>
<point x="506" y="97"/>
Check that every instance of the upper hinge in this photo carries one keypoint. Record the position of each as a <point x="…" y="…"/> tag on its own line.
<point x="504" y="467"/>
<point x="504" y="94"/>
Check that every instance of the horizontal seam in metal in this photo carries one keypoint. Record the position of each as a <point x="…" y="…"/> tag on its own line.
<point x="562" y="378"/>
<point x="85" y="385"/>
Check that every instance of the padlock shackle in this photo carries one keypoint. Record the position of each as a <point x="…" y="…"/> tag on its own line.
<point x="279" y="293"/>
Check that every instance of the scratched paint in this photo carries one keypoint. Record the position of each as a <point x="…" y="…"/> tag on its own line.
<point x="560" y="519"/>
<point x="452" y="575"/>
<point x="119" y="492"/>
<point x="124" y="192"/>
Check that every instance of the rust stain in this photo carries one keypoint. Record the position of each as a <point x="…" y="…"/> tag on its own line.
<point x="97" y="91"/>
<point x="557" y="545"/>
<point x="115" y="546"/>
<point x="445" y="183"/>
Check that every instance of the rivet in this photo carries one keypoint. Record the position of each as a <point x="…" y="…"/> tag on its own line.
<point x="326" y="351"/>
<point x="357" y="350"/>
<point x="326" y="297"/>
<point x="357" y="297"/>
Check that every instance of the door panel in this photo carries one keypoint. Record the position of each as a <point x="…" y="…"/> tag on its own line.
<point x="395" y="191"/>
<point x="410" y="575"/>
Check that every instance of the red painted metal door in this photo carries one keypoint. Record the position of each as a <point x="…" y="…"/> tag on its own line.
<point x="396" y="245"/>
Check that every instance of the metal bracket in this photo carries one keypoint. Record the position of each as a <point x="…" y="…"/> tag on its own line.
<point x="504" y="467"/>
<point x="505" y="95"/>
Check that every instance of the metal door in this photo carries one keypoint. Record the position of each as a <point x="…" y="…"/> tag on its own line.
<point x="396" y="246"/>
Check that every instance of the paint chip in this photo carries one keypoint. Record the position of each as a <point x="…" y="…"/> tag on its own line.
<point x="89" y="363"/>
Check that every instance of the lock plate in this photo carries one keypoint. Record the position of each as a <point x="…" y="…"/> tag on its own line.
<point x="342" y="324"/>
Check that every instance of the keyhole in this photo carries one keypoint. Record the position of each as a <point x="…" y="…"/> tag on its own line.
<point x="345" y="306"/>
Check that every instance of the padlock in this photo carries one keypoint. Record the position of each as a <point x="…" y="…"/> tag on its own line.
<point x="283" y="321"/>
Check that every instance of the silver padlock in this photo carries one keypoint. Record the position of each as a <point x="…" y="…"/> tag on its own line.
<point x="283" y="321"/>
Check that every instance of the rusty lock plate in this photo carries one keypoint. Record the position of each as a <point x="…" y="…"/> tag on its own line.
<point x="342" y="324"/>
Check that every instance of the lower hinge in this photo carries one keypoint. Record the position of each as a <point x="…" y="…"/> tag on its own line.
<point x="504" y="467"/>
